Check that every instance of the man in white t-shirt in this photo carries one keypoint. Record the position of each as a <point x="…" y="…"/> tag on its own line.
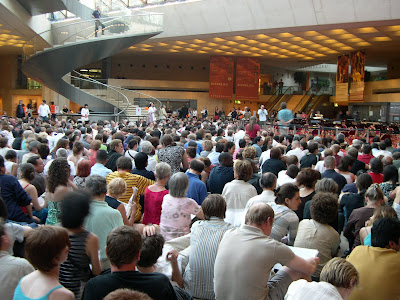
<point x="85" y="114"/>
<point x="44" y="111"/>
<point x="262" y="115"/>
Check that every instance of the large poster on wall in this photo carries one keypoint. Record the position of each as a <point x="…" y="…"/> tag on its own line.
<point x="357" y="76"/>
<point x="342" y="78"/>
<point x="247" y="78"/>
<point x="221" y="77"/>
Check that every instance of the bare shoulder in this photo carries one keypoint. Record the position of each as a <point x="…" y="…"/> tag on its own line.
<point x="62" y="294"/>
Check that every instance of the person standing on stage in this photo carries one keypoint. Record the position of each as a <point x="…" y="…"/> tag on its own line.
<point x="151" y="117"/>
<point x="204" y="113"/>
<point x="44" y="111"/>
<point x="96" y="15"/>
<point x="85" y="114"/>
<point x="285" y="117"/>
<point x="20" y="110"/>
<point x="262" y="115"/>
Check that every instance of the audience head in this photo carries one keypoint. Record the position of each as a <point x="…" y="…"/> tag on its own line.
<point x="268" y="181"/>
<point x="330" y="163"/>
<point x="208" y="145"/>
<point x="225" y="159"/>
<point x="162" y="171"/>
<point x="324" y="208"/>
<point x="27" y="172"/>
<point x="374" y="194"/>
<point x="47" y="247"/>
<point x="385" y="233"/>
<point x="313" y="148"/>
<point x="292" y="171"/>
<point x="376" y="165"/>
<point x="151" y="250"/>
<point x="96" y="185"/>
<point x="127" y="294"/>
<point x="123" y="246"/>
<point x="74" y="209"/>
<point x="288" y="195"/>
<point x="340" y="273"/>
<point x="83" y="168"/>
<point x="196" y="165"/>
<point x="101" y="157"/>
<point x="11" y="155"/>
<point x="326" y="185"/>
<point x="243" y="170"/>
<point x="346" y="163"/>
<point x="124" y="164"/>
<point x="390" y="173"/>
<point x="242" y="143"/>
<point x="308" y="177"/>
<point x="59" y="173"/>
<point x="276" y="153"/>
<point x="382" y="212"/>
<point x="366" y="149"/>
<point x="363" y="182"/>
<point x="249" y="152"/>
<point x="116" y="188"/>
<point x="61" y="153"/>
<point x="219" y="147"/>
<point x="352" y="152"/>
<point x="292" y="160"/>
<point x="178" y="185"/>
<point x="141" y="160"/>
<point x="146" y="148"/>
<point x="258" y="214"/>
<point x="214" y="205"/>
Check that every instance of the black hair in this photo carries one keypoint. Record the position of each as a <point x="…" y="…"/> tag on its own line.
<point x="10" y="154"/>
<point x="363" y="182"/>
<point x="141" y="160"/>
<point x="385" y="230"/>
<point x="376" y="165"/>
<point x="242" y="143"/>
<point x="151" y="250"/>
<point x="390" y="173"/>
<point x="74" y="209"/>
<point x="228" y="146"/>
<point x="219" y="147"/>
<point x="3" y="209"/>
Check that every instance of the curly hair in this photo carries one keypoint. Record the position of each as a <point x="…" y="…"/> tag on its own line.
<point x="308" y="177"/>
<point x="324" y="208"/>
<point x="59" y="173"/>
<point x="249" y="152"/>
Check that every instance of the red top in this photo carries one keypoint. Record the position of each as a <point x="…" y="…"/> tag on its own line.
<point x="376" y="177"/>
<point x="152" y="206"/>
<point x="253" y="133"/>
<point x="365" y="158"/>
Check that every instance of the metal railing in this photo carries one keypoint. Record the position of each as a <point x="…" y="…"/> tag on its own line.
<point x="136" y="23"/>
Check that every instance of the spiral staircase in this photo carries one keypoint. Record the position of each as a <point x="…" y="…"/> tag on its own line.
<point x="52" y="57"/>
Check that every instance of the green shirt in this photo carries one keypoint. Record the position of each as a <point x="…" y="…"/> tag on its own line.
<point x="101" y="220"/>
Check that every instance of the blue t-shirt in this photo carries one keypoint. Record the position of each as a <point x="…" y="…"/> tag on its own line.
<point x="285" y="115"/>
<point x="96" y="14"/>
<point x="197" y="189"/>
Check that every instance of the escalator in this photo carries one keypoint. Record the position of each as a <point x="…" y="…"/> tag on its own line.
<point x="305" y="100"/>
<point x="284" y="98"/>
<point x="276" y="99"/>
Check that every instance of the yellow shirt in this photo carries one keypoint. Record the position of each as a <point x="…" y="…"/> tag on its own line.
<point x="132" y="180"/>
<point x="379" y="271"/>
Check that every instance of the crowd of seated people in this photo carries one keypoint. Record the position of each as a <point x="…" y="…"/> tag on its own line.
<point x="191" y="208"/>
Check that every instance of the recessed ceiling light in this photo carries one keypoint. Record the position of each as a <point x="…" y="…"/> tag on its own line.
<point x="206" y="48"/>
<point x="225" y="47"/>
<point x="261" y="36"/>
<point x="252" y="42"/>
<point x="381" y="39"/>
<point x="393" y="28"/>
<point x="243" y="46"/>
<point x="197" y="41"/>
<point x="346" y="36"/>
<point x="297" y="39"/>
<point x="189" y="49"/>
<point x="193" y="46"/>
<point x="201" y="52"/>
<point x="311" y="33"/>
<point x="320" y="37"/>
<point x="337" y="31"/>
<point x="254" y="49"/>
<point x="181" y="43"/>
<point x="273" y="40"/>
<point x="346" y="48"/>
<point x="263" y="45"/>
<point x="306" y="42"/>
<point x="177" y="47"/>
<point x="229" y="53"/>
<point x="173" y="50"/>
<point x="246" y="52"/>
<point x="239" y="38"/>
<point x="218" y="40"/>
<point x="286" y="34"/>
<point x="265" y="51"/>
<point x="294" y="47"/>
<point x="212" y="44"/>
<point x="231" y="43"/>
<point x="217" y="50"/>
<point x="319" y="55"/>
<point x="366" y="30"/>
<point x="162" y="44"/>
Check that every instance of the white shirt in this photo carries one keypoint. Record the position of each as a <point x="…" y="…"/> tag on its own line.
<point x="264" y="156"/>
<point x="298" y="152"/>
<point x="385" y="153"/>
<point x="262" y="114"/>
<point x="85" y="114"/>
<point x="238" y="136"/>
<point x="284" y="178"/>
<point x="266" y="196"/>
<point x="43" y="110"/>
<point x="304" y="290"/>
<point x="320" y="166"/>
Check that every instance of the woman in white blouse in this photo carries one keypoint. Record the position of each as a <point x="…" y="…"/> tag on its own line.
<point x="238" y="192"/>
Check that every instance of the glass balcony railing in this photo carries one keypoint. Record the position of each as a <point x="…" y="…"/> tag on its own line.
<point x="80" y="31"/>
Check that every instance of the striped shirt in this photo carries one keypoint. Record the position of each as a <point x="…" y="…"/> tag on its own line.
<point x="285" y="222"/>
<point x="204" y="240"/>
<point x="132" y="180"/>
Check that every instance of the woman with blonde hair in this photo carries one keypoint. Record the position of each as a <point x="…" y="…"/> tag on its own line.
<point x="238" y="192"/>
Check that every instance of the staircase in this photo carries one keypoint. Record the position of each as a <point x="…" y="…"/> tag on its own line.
<point x="52" y="55"/>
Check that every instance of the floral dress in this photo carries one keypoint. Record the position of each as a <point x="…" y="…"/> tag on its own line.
<point x="172" y="155"/>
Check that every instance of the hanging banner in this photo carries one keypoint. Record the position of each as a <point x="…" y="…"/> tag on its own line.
<point x="342" y="78"/>
<point x="221" y="77"/>
<point x="357" y="76"/>
<point x="247" y="78"/>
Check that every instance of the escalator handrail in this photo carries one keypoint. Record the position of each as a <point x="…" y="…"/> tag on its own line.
<point x="281" y="97"/>
<point x="99" y="83"/>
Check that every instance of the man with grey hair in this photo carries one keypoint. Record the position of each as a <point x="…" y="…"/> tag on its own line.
<point x="33" y="150"/>
<point x="268" y="184"/>
<point x="330" y="172"/>
<point x="60" y="153"/>
<point x="296" y="150"/>
<point x="192" y="137"/>
<point x="102" y="218"/>
<point x="246" y="276"/>
<point x="86" y="140"/>
<point x="148" y="148"/>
